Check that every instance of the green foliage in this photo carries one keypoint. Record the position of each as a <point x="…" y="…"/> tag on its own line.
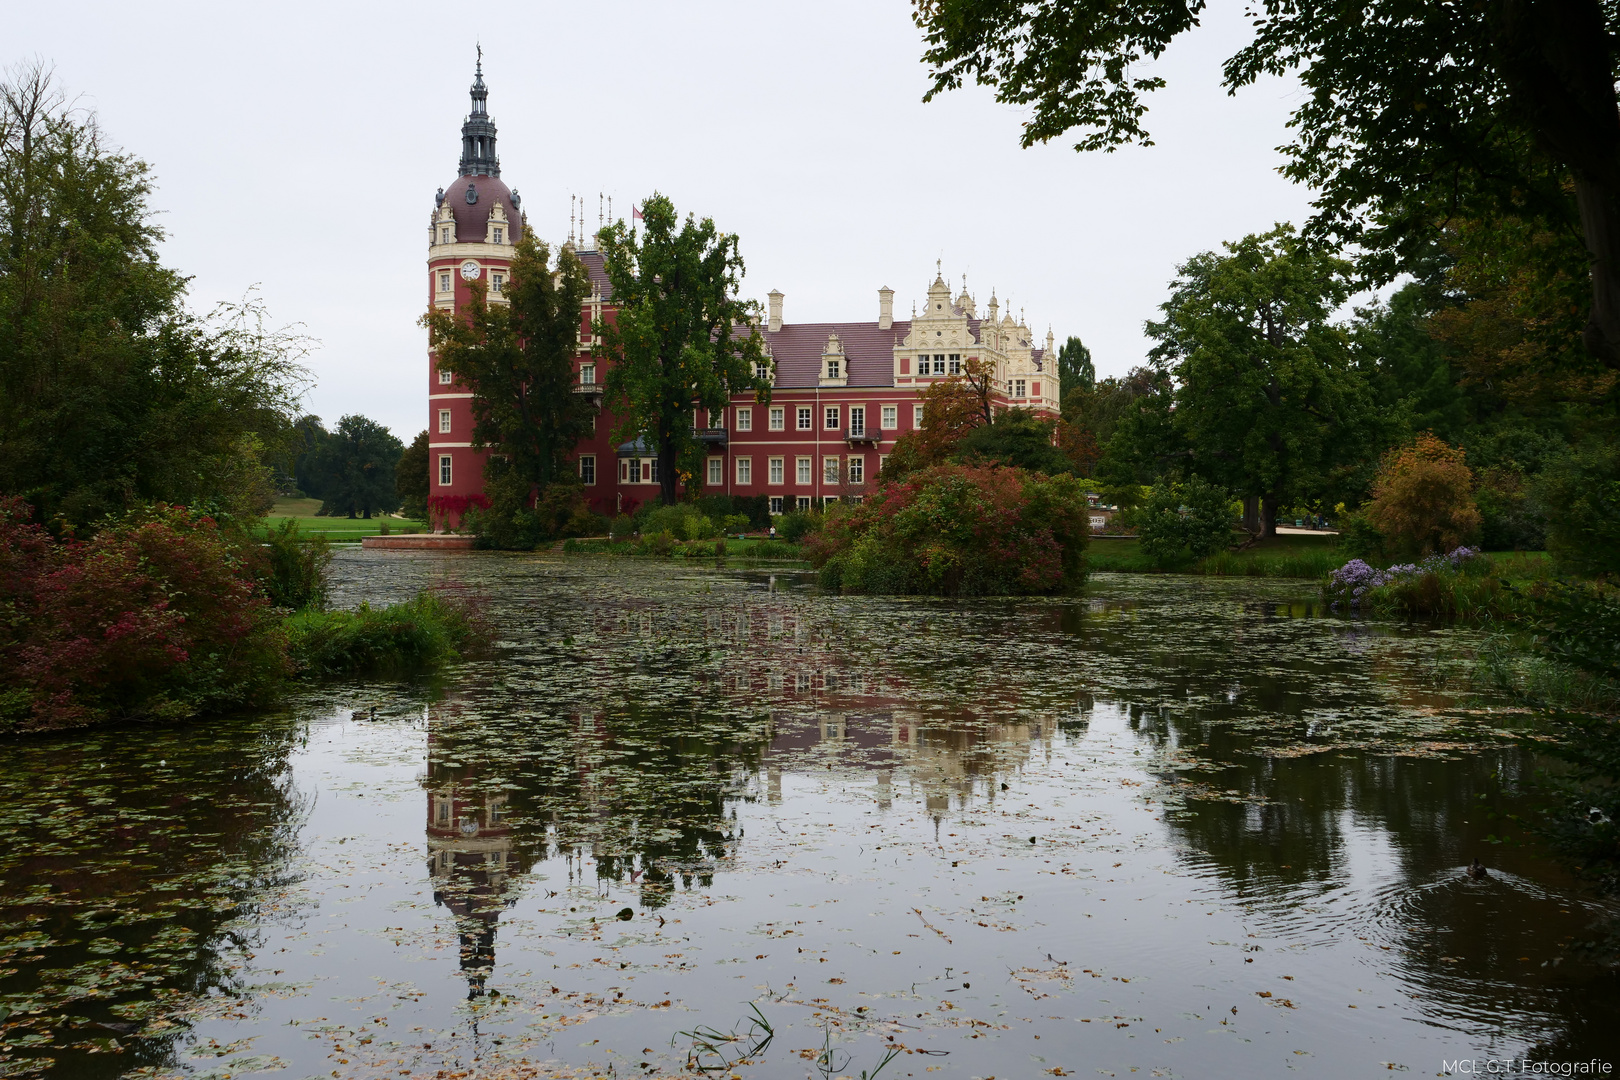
<point x="1265" y="401"/>
<point x="411" y="478"/>
<point x="1179" y="523"/>
<point x="679" y="338"/>
<point x="112" y="395"/>
<point x="1468" y="592"/>
<point x="1579" y="624"/>
<point x="958" y="531"/>
<point x="754" y="509"/>
<point x="1412" y="114"/>
<point x="1018" y="437"/>
<point x="517" y="359"/>
<point x="1511" y="517"/>
<point x="518" y="520"/>
<point x="1075" y="369"/>
<point x="435" y="628"/>
<point x="1581" y="493"/>
<point x="292" y="566"/>
<point x="795" y="525"/>
<point x="354" y="469"/>
<point x="1359" y="538"/>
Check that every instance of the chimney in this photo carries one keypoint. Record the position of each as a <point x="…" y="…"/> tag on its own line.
<point x="776" y="310"/>
<point x="885" y="308"/>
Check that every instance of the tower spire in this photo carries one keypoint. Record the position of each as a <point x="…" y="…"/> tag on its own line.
<point x="478" y="157"/>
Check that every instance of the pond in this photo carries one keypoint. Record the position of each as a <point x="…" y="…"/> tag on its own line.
<point x="705" y="819"/>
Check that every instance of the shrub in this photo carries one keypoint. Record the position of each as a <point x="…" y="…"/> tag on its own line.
<point x="1180" y="523"/>
<point x="1423" y="498"/>
<point x="622" y="527"/>
<point x="1511" y="518"/>
<point x="156" y="617"/>
<point x="435" y="628"/>
<point x="292" y="566"/>
<point x="1581" y="493"/>
<point x="1456" y="585"/>
<point x="795" y="525"/>
<point x="754" y="509"/>
<point x="958" y="531"/>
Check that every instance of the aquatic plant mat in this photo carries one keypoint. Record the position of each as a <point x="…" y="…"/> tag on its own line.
<point x="704" y="822"/>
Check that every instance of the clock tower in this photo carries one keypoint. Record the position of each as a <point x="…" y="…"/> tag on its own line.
<point x="474" y="225"/>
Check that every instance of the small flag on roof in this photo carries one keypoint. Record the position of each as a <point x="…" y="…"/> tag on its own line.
<point x="635" y="212"/>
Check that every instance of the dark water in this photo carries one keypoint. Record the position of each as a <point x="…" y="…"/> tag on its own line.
<point x="1177" y="827"/>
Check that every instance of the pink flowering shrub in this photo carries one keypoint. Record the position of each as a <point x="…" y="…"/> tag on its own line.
<point x="156" y="617"/>
<point x="956" y="530"/>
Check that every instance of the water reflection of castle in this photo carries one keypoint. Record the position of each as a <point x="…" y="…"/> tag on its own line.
<point x="653" y="796"/>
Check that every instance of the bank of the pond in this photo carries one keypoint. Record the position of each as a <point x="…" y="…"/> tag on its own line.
<point x="663" y="546"/>
<point x="1289" y="555"/>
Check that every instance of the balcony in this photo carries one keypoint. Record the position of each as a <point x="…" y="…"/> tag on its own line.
<point x="862" y="434"/>
<point x="712" y="436"/>
<point x="592" y="390"/>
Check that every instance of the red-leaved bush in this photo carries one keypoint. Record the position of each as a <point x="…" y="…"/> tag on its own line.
<point x="958" y="530"/>
<point x="156" y="617"/>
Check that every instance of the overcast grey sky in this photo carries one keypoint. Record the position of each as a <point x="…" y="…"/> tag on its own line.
<point x="297" y="146"/>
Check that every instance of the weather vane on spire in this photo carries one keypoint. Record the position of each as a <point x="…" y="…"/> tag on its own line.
<point x="480" y="58"/>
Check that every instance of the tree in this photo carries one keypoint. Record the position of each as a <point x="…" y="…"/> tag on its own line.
<point x="1182" y="522"/>
<point x="1015" y="437"/>
<point x="112" y="394"/>
<point x="1423" y="499"/>
<point x="1091" y="413"/>
<point x="679" y="340"/>
<point x="517" y="359"/>
<point x="354" y="467"/>
<point x="411" y="478"/>
<point x="1413" y="112"/>
<point x="1074" y="367"/>
<point x="952" y="408"/>
<point x="1266" y="401"/>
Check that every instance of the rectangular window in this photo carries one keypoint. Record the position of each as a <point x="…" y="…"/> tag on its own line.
<point x="444" y="421"/>
<point x="804" y="418"/>
<point x="587" y="469"/>
<point x="916" y="416"/>
<point x="832" y="418"/>
<point x="829" y="470"/>
<point x="444" y="282"/>
<point x="857" y="421"/>
<point x="651" y="470"/>
<point x="803" y="467"/>
<point x="497" y="281"/>
<point x="777" y="423"/>
<point x="778" y="470"/>
<point x="634" y="473"/>
<point x="498" y="240"/>
<point x="804" y="502"/>
<point x="444" y="470"/>
<point x="828" y="500"/>
<point x="890" y="417"/>
<point x="1018" y="388"/>
<point x="745" y="470"/>
<point x="833" y="369"/>
<point x="956" y="363"/>
<point x="717" y="471"/>
<point x="857" y="470"/>
<point x="883" y="460"/>
<point x="587" y="374"/>
<point x="444" y="236"/>
<point x="776" y="504"/>
<point x="445" y="377"/>
<point x="745" y="419"/>
<point x="939" y="363"/>
<point x="762" y="371"/>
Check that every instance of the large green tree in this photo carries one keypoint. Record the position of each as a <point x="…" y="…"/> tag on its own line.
<point x="111" y="393"/>
<point x="679" y="339"/>
<point x="1266" y="399"/>
<point x="354" y="467"/>
<point x="517" y="359"/>
<point x="1075" y="369"/>
<point x="1414" y="111"/>
<point x="411" y="478"/>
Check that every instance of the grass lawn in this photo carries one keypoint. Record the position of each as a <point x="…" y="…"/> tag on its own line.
<point x="338" y="529"/>
<point x="1305" y="555"/>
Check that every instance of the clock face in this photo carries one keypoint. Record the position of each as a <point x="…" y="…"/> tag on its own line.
<point x="469" y="270"/>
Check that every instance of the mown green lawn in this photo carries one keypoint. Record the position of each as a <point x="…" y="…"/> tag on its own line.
<point x="340" y="529"/>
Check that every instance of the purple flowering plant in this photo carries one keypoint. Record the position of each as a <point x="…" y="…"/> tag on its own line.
<point x="1351" y="582"/>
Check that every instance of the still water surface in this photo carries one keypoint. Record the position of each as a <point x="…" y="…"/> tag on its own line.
<point x="1174" y="827"/>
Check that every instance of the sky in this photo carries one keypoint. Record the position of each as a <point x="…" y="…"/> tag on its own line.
<point x="296" y="147"/>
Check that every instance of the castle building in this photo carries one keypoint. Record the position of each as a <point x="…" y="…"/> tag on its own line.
<point x="842" y="392"/>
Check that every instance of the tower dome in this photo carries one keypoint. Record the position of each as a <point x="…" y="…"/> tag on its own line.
<point x="478" y="186"/>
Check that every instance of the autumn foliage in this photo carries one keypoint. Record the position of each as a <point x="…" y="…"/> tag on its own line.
<point x="1423" y="498"/>
<point x="958" y="530"/>
<point x="156" y="617"/>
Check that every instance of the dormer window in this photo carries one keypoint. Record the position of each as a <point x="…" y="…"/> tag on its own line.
<point x="444" y="236"/>
<point x="498" y="232"/>
<point x="762" y="371"/>
<point x="833" y="369"/>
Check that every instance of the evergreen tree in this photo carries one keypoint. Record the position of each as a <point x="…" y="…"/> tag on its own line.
<point x="1074" y="367"/>
<point x="679" y="340"/>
